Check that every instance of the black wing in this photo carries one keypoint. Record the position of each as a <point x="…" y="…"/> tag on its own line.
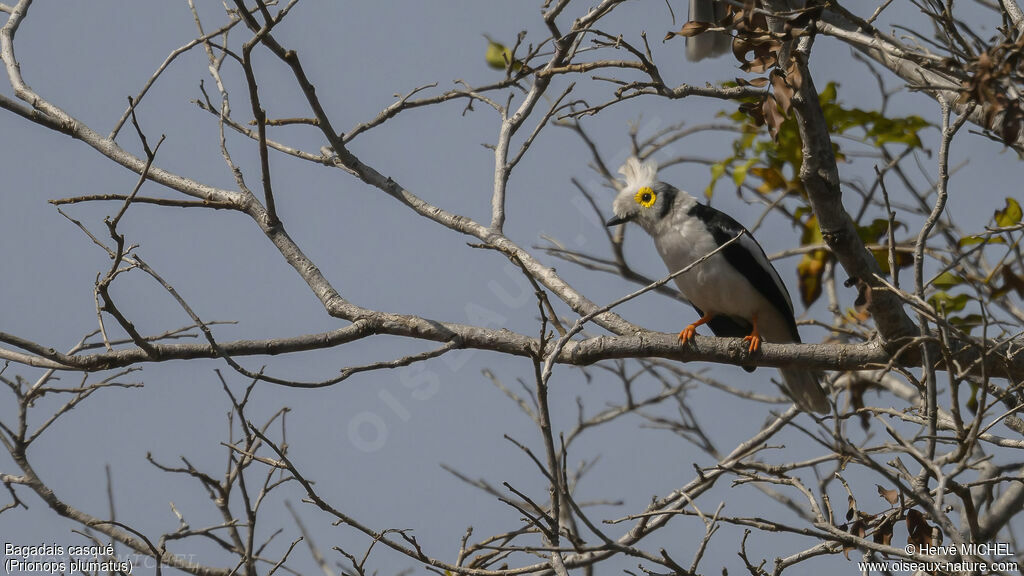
<point x="727" y="326"/>
<point x="723" y="227"/>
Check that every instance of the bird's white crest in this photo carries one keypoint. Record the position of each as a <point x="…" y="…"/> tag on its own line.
<point x="639" y="173"/>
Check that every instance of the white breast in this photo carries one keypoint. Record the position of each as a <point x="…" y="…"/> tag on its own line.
<point x="714" y="286"/>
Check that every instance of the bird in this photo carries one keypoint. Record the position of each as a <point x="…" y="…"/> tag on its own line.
<point x="707" y="44"/>
<point x="737" y="292"/>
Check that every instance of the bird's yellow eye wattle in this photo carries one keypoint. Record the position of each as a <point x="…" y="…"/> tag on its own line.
<point x="645" y="197"/>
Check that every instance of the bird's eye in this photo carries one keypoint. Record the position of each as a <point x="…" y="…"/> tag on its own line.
<point x="645" y="197"/>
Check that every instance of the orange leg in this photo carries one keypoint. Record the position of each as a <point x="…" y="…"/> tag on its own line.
<point x="754" y="338"/>
<point x="690" y="331"/>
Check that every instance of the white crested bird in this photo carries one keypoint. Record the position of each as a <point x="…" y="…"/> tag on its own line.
<point x="737" y="292"/>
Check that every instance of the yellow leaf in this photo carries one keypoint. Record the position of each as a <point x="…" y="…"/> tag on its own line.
<point x="809" y="271"/>
<point x="772" y="179"/>
<point x="1010" y="215"/>
<point x="739" y="173"/>
<point x="498" y="56"/>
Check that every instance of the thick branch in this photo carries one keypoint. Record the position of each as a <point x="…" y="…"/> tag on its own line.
<point x="820" y="177"/>
<point x="577" y="352"/>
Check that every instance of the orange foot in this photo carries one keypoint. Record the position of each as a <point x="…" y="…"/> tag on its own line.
<point x="754" y="337"/>
<point x="690" y="331"/>
<point x="687" y="334"/>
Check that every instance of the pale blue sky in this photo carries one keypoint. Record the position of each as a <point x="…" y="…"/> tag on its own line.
<point x="88" y="57"/>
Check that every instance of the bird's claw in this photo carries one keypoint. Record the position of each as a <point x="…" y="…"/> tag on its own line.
<point x="755" y="342"/>
<point x="687" y="334"/>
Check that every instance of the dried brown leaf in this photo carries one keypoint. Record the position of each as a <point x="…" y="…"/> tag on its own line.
<point x="883" y="534"/>
<point x="891" y="496"/>
<point x="858" y="529"/>
<point x="759" y="82"/>
<point x="758" y="65"/>
<point x="857" y="389"/>
<point x="919" y="533"/>
<point x="793" y="76"/>
<point x="690" y="29"/>
<point x="797" y="26"/>
<point x="783" y="92"/>
<point x="740" y="47"/>
<point x="863" y="301"/>
<point x="772" y="117"/>
<point x="1012" y="281"/>
<point x="754" y="111"/>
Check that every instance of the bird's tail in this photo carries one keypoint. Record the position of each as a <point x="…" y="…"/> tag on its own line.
<point x="708" y="44"/>
<point x="803" y="388"/>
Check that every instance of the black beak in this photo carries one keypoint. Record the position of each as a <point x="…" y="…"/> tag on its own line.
<point x="616" y="220"/>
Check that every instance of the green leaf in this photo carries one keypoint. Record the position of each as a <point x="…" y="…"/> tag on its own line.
<point x="877" y="128"/>
<point x="972" y="240"/>
<point x="739" y="173"/>
<point x="1010" y="215"/>
<point x="874" y="231"/>
<point x="771" y="179"/>
<point x="897" y="130"/>
<point x="968" y="322"/>
<point x="947" y="280"/>
<point x="828" y="95"/>
<point x="902" y="259"/>
<point x="498" y="56"/>
<point x="972" y="402"/>
<point x="946" y="303"/>
<point x="809" y="272"/>
<point x="747" y="140"/>
<point x="755" y="153"/>
<point x="811" y="267"/>
<point x="717" y="171"/>
<point x="811" y="234"/>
